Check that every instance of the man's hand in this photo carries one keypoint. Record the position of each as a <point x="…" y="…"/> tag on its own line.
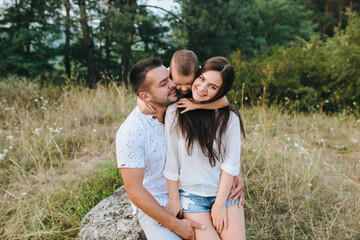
<point x="185" y="228"/>
<point x="237" y="190"/>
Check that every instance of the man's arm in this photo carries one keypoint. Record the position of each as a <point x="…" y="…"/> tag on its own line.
<point x="132" y="179"/>
<point x="190" y="105"/>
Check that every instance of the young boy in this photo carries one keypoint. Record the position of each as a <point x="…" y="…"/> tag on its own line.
<point x="184" y="67"/>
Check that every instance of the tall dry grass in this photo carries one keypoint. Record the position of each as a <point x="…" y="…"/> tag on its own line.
<point x="302" y="172"/>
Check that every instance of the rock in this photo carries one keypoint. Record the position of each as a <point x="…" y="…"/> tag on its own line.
<point x="111" y="219"/>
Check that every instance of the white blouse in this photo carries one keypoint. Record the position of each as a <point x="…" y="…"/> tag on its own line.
<point x="194" y="172"/>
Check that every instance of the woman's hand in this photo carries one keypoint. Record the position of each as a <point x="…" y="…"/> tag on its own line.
<point x="237" y="190"/>
<point x="174" y="208"/>
<point x="219" y="217"/>
<point x="187" y="104"/>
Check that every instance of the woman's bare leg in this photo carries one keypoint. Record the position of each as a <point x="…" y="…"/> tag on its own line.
<point x="236" y="224"/>
<point x="204" y="218"/>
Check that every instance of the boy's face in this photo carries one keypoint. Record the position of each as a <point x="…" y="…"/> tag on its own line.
<point x="183" y="83"/>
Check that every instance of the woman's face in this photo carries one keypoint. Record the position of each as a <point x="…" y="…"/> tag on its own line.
<point x="206" y="86"/>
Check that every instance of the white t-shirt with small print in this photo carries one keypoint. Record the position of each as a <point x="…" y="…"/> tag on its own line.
<point x="140" y="143"/>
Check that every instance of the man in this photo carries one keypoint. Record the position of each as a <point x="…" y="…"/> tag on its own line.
<point x="141" y="151"/>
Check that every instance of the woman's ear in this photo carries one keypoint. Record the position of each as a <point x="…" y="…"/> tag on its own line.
<point x="145" y="96"/>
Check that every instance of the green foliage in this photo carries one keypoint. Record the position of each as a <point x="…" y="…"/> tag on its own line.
<point x="28" y="30"/>
<point x="314" y="75"/>
<point x="218" y="27"/>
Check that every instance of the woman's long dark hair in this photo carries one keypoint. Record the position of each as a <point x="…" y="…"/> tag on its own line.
<point x="202" y="125"/>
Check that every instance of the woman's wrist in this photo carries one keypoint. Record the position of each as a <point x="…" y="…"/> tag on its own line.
<point x="220" y="201"/>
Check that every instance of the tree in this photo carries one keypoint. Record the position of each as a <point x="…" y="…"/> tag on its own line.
<point x="28" y="31"/>
<point x="218" y="27"/>
<point x="67" y="39"/>
<point x="89" y="45"/>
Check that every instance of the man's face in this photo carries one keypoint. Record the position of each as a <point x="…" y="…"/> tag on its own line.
<point x="183" y="83"/>
<point x="161" y="87"/>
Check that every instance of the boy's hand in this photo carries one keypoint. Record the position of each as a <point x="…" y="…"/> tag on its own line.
<point x="187" y="104"/>
<point x="145" y="108"/>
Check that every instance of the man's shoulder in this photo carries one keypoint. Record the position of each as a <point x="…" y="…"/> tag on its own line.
<point x="134" y="122"/>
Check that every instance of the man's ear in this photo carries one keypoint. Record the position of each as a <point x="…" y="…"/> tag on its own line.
<point x="145" y="96"/>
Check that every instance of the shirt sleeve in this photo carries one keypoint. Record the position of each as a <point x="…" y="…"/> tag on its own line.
<point x="231" y="163"/>
<point x="130" y="147"/>
<point x="172" y="164"/>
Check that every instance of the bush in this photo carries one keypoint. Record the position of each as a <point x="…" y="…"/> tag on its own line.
<point x="317" y="74"/>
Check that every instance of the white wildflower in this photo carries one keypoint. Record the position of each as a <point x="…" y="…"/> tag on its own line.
<point x="10" y="137"/>
<point x="326" y="101"/>
<point x="246" y="98"/>
<point x="310" y="184"/>
<point x="300" y="148"/>
<point x="94" y="130"/>
<point x="354" y="103"/>
<point x="354" y="141"/>
<point x="4" y="100"/>
<point x="36" y="100"/>
<point x="24" y="193"/>
<point x="6" y="151"/>
<point x="2" y="156"/>
<point x="10" y="147"/>
<point x="41" y="97"/>
<point x="288" y="139"/>
<point x="43" y="108"/>
<point x="37" y="131"/>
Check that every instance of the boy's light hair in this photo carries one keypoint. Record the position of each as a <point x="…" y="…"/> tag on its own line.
<point x="185" y="62"/>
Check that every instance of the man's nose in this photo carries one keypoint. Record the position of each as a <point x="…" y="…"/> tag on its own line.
<point x="172" y="84"/>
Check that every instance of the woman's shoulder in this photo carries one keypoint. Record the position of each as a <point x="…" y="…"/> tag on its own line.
<point x="171" y="109"/>
<point x="171" y="112"/>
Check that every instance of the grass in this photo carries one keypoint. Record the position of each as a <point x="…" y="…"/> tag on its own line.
<point x="57" y="161"/>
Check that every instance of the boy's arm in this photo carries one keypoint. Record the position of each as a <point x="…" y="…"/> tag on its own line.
<point x="133" y="178"/>
<point x="190" y="105"/>
<point x="144" y="107"/>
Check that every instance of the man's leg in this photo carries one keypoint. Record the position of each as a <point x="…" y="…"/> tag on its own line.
<point x="153" y="230"/>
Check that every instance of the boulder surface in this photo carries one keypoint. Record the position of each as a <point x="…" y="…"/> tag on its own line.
<point x="111" y="219"/>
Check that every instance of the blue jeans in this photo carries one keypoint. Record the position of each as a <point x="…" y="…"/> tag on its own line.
<point x="195" y="204"/>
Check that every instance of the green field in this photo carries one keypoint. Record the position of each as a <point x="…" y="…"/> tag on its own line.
<point x="57" y="161"/>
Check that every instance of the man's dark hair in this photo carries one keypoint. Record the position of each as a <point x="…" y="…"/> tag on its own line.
<point x="185" y="62"/>
<point x="138" y="73"/>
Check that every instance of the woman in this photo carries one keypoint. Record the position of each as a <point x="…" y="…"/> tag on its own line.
<point x="203" y="156"/>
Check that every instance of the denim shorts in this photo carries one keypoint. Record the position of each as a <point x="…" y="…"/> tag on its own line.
<point x="194" y="204"/>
